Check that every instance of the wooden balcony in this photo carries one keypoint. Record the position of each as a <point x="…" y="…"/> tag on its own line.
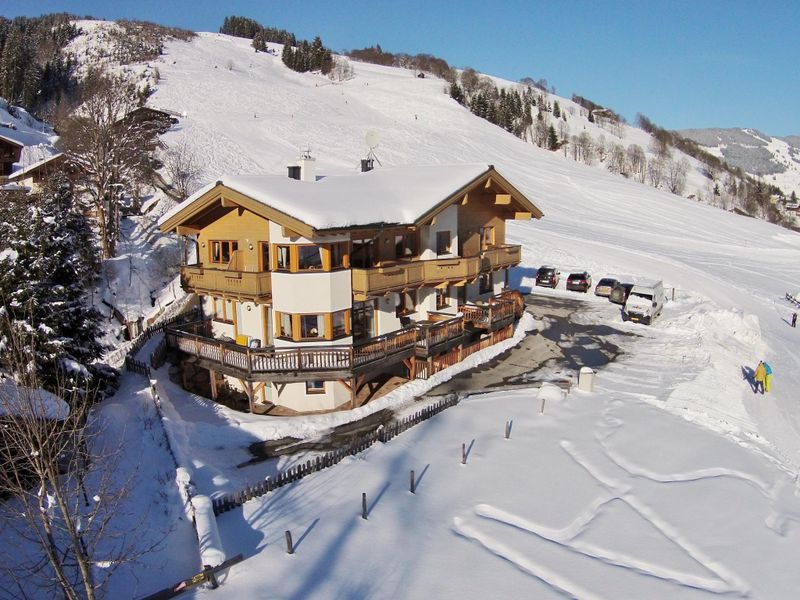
<point x="402" y="275"/>
<point x="305" y="363"/>
<point x="490" y="316"/>
<point x="212" y="281"/>
<point x="437" y="336"/>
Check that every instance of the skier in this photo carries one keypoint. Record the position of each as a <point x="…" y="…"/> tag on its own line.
<point x="760" y="376"/>
<point x="767" y="376"/>
<point x="794" y="319"/>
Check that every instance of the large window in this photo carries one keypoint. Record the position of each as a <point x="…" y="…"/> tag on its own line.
<point x="312" y="327"/>
<point x="363" y="320"/>
<point x="443" y="243"/>
<point x="362" y="256"/>
<point x="222" y="251"/>
<point x="309" y="258"/>
<point x="309" y="327"/>
<point x="223" y="310"/>
<point x="405" y="245"/>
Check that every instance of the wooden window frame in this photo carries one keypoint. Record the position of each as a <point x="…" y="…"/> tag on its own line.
<point x="276" y="252"/>
<point x="374" y="331"/>
<point x="320" y="249"/>
<point x="327" y="324"/>
<point x="224" y="304"/>
<point x="231" y="251"/>
<point x="326" y="257"/>
<point x="315" y="391"/>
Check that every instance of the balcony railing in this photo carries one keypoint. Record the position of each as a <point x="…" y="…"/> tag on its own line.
<point x="485" y="316"/>
<point x="408" y="274"/>
<point x="433" y="333"/>
<point x="200" y="279"/>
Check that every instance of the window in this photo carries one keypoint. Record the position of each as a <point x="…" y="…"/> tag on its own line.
<point x="264" y="258"/>
<point x="219" y="310"/>
<point x="362" y="256"/>
<point x="406" y="303"/>
<point x="487" y="237"/>
<point x="309" y="258"/>
<point x="285" y="325"/>
<point x="484" y="283"/>
<point x="315" y="387"/>
<point x="442" y="242"/>
<point x="442" y="297"/>
<point x="404" y="246"/>
<point x="363" y="320"/>
<point x="340" y="325"/>
<point x="312" y="326"/>
<point x="283" y="258"/>
<point x="339" y="258"/>
<point x="222" y="251"/>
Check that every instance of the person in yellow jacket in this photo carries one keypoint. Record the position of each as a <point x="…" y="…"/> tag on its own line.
<point x="760" y="376"/>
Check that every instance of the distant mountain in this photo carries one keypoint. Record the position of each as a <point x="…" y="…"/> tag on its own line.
<point x="776" y="160"/>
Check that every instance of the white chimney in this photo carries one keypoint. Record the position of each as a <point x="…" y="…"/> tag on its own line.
<point x="308" y="170"/>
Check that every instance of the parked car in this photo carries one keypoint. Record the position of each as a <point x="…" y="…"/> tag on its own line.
<point x="619" y="295"/>
<point x="604" y="286"/>
<point x="645" y="302"/>
<point x="579" y="282"/>
<point x="547" y="276"/>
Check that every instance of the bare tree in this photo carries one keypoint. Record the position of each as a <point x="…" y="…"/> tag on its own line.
<point x="655" y="171"/>
<point x="676" y="172"/>
<point x="183" y="169"/>
<point x="109" y="149"/>
<point x="616" y="160"/>
<point x="601" y="149"/>
<point x="585" y="148"/>
<point x="60" y="488"/>
<point x="637" y="162"/>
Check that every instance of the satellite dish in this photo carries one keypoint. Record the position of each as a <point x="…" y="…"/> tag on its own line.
<point x="372" y="143"/>
<point x="372" y="139"/>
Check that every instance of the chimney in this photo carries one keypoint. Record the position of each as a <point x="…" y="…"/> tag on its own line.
<point x="305" y="169"/>
<point x="366" y="164"/>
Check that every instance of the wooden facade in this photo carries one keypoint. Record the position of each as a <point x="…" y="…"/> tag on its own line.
<point x="303" y="318"/>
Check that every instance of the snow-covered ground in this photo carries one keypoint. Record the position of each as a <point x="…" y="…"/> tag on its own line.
<point x="670" y="480"/>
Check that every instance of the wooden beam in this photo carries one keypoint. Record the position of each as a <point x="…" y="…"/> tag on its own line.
<point x="465" y="199"/>
<point x="502" y="199"/>
<point x="187" y="230"/>
<point x="226" y="202"/>
<point x="213" y="384"/>
<point x="488" y="183"/>
<point x="289" y="233"/>
<point x="523" y="216"/>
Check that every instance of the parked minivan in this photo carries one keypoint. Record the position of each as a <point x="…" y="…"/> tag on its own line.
<point x="645" y="302"/>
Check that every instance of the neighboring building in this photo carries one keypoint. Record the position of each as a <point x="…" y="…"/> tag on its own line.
<point x="10" y="152"/>
<point x="316" y="287"/>
<point x="34" y="176"/>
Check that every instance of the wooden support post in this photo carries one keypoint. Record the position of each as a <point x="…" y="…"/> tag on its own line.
<point x="463" y="454"/>
<point x="413" y="486"/>
<point x="213" y="385"/>
<point x="364" y="506"/>
<point x="250" y="396"/>
<point x="289" y="545"/>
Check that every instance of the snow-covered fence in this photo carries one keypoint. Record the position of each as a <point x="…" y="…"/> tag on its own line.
<point x="382" y="434"/>
<point x="136" y="366"/>
<point x="174" y="314"/>
<point x="159" y="356"/>
<point x="792" y="299"/>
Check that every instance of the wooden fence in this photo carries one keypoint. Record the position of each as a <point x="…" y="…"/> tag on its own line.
<point x="383" y="434"/>
<point x="137" y="366"/>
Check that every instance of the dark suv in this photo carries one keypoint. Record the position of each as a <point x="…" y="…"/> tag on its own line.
<point x="547" y="276"/>
<point x="579" y="282"/>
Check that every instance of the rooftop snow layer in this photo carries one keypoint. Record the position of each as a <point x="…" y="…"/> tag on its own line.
<point x="383" y="195"/>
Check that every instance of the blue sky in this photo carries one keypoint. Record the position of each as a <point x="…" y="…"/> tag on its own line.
<point x="683" y="63"/>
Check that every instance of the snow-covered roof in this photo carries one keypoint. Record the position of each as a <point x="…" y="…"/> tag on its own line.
<point x="32" y="167"/>
<point x="11" y="141"/>
<point x="383" y="195"/>
<point x="17" y="400"/>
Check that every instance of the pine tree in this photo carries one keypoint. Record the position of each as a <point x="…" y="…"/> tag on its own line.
<point x="45" y="273"/>
<point x="552" y="138"/>
<point x="556" y="110"/>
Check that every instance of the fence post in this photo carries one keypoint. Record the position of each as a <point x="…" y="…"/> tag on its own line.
<point x="413" y="483"/>
<point x="508" y="429"/>
<point x="463" y="453"/>
<point x="364" y="506"/>
<point x="289" y="545"/>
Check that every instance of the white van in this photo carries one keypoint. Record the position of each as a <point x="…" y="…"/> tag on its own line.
<point x="645" y="302"/>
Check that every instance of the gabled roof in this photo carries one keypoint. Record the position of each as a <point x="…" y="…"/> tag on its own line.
<point x="11" y="141"/>
<point x="396" y="195"/>
<point x="33" y="168"/>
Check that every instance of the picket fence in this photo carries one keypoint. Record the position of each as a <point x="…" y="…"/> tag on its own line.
<point x="382" y="434"/>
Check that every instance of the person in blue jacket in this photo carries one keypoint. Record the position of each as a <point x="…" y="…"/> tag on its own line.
<point x="767" y="376"/>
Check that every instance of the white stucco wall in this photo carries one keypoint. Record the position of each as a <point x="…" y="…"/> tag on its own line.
<point x="311" y="292"/>
<point x="293" y="395"/>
